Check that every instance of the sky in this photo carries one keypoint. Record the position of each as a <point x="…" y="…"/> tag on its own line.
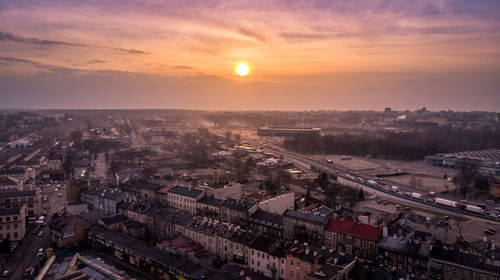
<point x="303" y="55"/>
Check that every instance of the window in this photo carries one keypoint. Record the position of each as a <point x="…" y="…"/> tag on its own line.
<point x="15" y="218"/>
<point x="291" y="263"/>
<point x="7" y="219"/>
<point x="291" y="273"/>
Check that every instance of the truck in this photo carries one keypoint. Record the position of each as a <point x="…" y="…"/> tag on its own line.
<point x="474" y="209"/>
<point x="416" y="195"/>
<point x="371" y="182"/>
<point x="446" y="202"/>
<point x="394" y="189"/>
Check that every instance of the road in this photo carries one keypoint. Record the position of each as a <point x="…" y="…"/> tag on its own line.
<point x="358" y="179"/>
<point x="26" y="254"/>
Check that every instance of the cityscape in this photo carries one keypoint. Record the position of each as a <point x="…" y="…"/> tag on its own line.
<point x="250" y="140"/>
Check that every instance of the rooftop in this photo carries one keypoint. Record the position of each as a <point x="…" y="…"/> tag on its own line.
<point x="210" y="200"/>
<point x="313" y="254"/>
<point x="185" y="191"/>
<point x="269" y="245"/>
<point x="307" y="216"/>
<point x="237" y="204"/>
<point x="363" y="231"/>
<point x="114" y="219"/>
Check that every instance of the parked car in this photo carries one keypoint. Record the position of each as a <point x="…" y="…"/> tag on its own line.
<point x="40" y="234"/>
<point x="40" y="252"/>
<point x="5" y="273"/>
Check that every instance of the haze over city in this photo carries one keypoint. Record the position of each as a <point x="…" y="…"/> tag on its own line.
<point x="302" y="55"/>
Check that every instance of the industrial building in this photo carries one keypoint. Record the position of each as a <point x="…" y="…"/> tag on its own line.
<point x="489" y="160"/>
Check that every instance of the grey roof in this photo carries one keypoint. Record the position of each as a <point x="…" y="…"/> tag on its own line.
<point x="185" y="191"/>
<point x="210" y="200"/>
<point x="407" y="247"/>
<point x="236" y="204"/>
<point x="269" y="245"/>
<point x="5" y="181"/>
<point x="114" y="219"/>
<point x="263" y="217"/>
<point x="307" y="216"/>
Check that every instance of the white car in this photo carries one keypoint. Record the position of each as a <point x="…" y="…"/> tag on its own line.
<point x="40" y="252"/>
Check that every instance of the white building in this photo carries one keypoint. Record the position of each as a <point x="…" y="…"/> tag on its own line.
<point x="184" y="199"/>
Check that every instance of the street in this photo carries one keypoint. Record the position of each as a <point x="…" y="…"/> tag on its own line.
<point x="26" y="253"/>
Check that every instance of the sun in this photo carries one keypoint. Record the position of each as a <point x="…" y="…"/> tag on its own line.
<point x="242" y="69"/>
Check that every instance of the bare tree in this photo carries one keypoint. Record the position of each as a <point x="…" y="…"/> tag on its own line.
<point x="228" y="136"/>
<point x="468" y="171"/>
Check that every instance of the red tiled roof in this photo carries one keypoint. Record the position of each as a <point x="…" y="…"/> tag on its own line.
<point x="165" y="189"/>
<point x="338" y="225"/>
<point x="365" y="231"/>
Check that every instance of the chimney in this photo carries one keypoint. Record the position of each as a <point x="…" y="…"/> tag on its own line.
<point x="493" y="245"/>
<point x="315" y="253"/>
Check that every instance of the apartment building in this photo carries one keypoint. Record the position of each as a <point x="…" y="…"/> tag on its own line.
<point x="15" y="199"/>
<point x="13" y="223"/>
<point x="353" y="238"/>
<point x="267" y="257"/>
<point x="305" y="226"/>
<point x="303" y="259"/>
<point x="184" y="199"/>
<point x="449" y="264"/>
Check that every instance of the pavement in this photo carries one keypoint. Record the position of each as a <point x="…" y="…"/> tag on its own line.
<point x="26" y="253"/>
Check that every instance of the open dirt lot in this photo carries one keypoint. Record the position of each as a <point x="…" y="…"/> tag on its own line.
<point x="426" y="178"/>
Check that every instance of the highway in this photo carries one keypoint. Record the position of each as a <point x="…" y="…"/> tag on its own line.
<point x="359" y="180"/>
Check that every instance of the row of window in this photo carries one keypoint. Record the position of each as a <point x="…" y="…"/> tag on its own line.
<point x="8" y="218"/>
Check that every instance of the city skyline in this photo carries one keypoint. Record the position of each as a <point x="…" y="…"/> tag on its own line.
<point x="303" y="55"/>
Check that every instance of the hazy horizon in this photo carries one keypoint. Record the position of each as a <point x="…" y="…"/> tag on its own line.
<point x="303" y="55"/>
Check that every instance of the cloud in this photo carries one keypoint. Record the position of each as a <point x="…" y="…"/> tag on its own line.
<point x="183" y="67"/>
<point x="303" y="36"/>
<point x="5" y="36"/>
<point x="95" y="61"/>
<point x="48" y="67"/>
<point x="252" y="34"/>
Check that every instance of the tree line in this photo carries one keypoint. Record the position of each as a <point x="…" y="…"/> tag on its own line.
<point x="413" y="145"/>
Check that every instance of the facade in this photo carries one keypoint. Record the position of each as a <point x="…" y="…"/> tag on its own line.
<point x="303" y="259"/>
<point x="208" y="207"/>
<point x="236" y="211"/>
<point x="450" y="264"/>
<point x="270" y="224"/>
<point x="353" y="238"/>
<point x="13" y="223"/>
<point x="15" y="199"/>
<point x="267" y="257"/>
<point x="305" y="226"/>
<point x="405" y="255"/>
<point x="106" y="199"/>
<point x="184" y="199"/>
<point x="278" y="204"/>
<point x="67" y="231"/>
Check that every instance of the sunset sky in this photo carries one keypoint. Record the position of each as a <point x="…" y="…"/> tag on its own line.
<point x="303" y="55"/>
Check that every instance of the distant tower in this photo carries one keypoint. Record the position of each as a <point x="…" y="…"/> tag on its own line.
<point x="387" y="110"/>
